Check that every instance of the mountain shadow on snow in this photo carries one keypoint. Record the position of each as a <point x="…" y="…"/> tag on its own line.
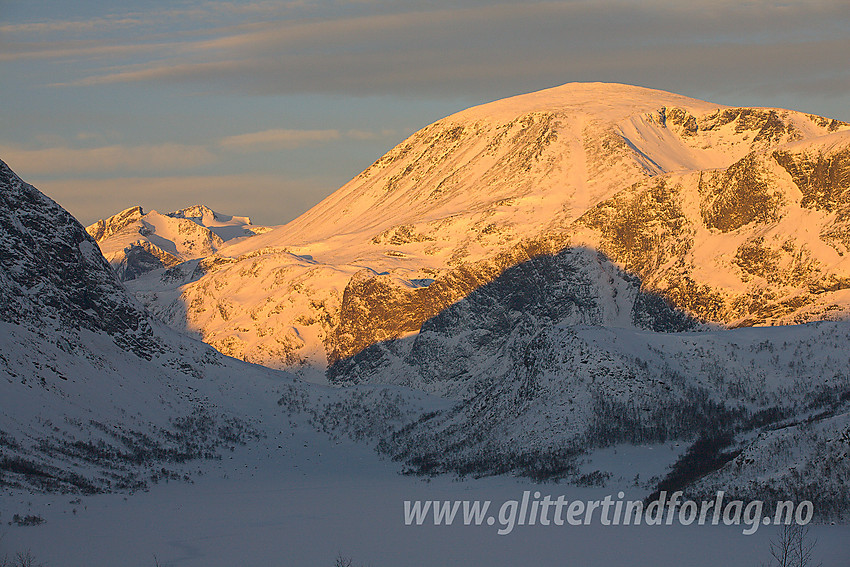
<point x="577" y="286"/>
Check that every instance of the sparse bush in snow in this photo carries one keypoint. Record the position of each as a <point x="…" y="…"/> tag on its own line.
<point x="793" y="547"/>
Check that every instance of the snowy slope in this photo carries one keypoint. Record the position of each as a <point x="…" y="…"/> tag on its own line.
<point x="764" y="241"/>
<point x="802" y="459"/>
<point x="563" y="355"/>
<point x="134" y="242"/>
<point x="458" y="202"/>
<point x="98" y="396"/>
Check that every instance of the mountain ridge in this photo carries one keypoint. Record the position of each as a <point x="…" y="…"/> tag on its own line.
<point x="465" y="198"/>
<point x="135" y="242"/>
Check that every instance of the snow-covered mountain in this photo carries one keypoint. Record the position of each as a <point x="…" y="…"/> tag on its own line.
<point x="734" y="214"/>
<point x="763" y="241"/>
<point x="135" y="242"/>
<point x="561" y="266"/>
<point x="564" y="354"/>
<point x="543" y="263"/>
<point x="98" y="396"/>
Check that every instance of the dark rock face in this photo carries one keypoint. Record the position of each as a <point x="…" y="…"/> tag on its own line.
<point x="375" y="308"/>
<point x="399" y="235"/>
<point x="686" y="122"/>
<point x="768" y="124"/>
<point x="824" y="180"/>
<point x="53" y="274"/>
<point x="141" y="258"/>
<point x="105" y="228"/>
<point x="634" y="223"/>
<point x="740" y="195"/>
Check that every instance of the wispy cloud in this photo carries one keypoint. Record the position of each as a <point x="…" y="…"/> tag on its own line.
<point x="56" y="157"/>
<point x="370" y="134"/>
<point x="106" y="159"/>
<point x="74" y="26"/>
<point x="440" y="48"/>
<point x="154" y="33"/>
<point x="209" y="13"/>
<point x="278" y="139"/>
<point x="286" y="139"/>
<point x="63" y="50"/>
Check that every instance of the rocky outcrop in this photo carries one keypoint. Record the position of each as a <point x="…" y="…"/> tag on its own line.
<point x="823" y="179"/>
<point x="742" y="246"/>
<point x="104" y="228"/>
<point x="141" y="257"/>
<point x="572" y="287"/>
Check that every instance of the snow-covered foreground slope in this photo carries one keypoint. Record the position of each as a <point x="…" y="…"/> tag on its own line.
<point x="135" y="242"/>
<point x="734" y="214"/>
<point x="96" y="395"/>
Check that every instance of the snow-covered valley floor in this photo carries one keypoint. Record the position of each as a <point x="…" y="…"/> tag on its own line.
<point x="318" y="498"/>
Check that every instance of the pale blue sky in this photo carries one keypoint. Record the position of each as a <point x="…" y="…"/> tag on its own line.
<point x="262" y="108"/>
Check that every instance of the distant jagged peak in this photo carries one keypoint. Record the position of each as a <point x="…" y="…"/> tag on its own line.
<point x="194" y="211"/>
<point x="199" y="214"/>
<point x="135" y="242"/>
<point x="105" y="228"/>
<point x="205" y="216"/>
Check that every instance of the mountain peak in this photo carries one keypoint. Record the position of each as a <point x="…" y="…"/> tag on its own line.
<point x="135" y="242"/>
<point x="537" y="159"/>
<point x="105" y="228"/>
<point x="605" y="100"/>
